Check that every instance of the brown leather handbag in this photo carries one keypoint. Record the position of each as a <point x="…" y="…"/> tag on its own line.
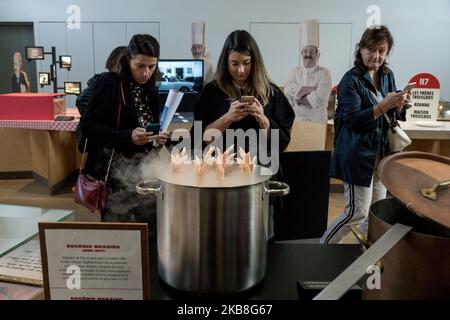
<point x="89" y="191"/>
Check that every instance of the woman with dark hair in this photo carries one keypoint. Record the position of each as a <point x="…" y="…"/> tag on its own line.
<point x="241" y="72"/>
<point x="131" y="88"/>
<point x="112" y="65"/>
<point x="365" y="93"/>
<point x="113" y="62"/>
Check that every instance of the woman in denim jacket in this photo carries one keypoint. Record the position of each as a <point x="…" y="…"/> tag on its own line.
<point x="365" y="93"/>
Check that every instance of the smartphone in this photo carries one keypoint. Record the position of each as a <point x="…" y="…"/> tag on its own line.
<point x="409" y="87"/>
<point x="248" y="99"/>
<point x="153" y="127"/>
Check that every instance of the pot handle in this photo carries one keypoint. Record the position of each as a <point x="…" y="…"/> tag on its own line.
<point x="431" y="192"/>
<point x="276" y="188"/>
<point x="361" y="238"/>
<point x="144" y="187"/>
<point x="365" y="244"/>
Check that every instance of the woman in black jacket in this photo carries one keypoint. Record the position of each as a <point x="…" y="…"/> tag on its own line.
<point x="120" y="107"/>
<point x="365" y="93"/>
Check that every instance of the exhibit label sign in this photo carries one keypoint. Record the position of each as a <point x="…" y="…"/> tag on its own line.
<point x="425" y="98"/>
<point x="95" y="261"/>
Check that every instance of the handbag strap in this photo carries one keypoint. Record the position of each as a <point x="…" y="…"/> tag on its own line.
<point x="83" y="157"/>
<point x="119" y="110"/>
<point x="391" y="122"/>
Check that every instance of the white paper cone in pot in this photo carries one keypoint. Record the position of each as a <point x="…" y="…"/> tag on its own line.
<point x="170" y="107"/>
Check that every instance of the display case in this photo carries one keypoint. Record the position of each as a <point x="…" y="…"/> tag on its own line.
<point x="19" y="224"/>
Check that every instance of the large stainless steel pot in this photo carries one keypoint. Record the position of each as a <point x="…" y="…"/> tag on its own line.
<point x="212" y="240"/>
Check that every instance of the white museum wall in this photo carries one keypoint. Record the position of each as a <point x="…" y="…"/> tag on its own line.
<point x="420" y="30"/>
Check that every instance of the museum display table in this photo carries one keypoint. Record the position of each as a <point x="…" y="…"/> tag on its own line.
<point x="432" y="136"/>
<point x="41" y="149"/>
<point x="288" y="264"/>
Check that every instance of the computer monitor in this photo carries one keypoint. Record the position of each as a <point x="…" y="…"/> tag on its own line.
<point x="182" y="75"/>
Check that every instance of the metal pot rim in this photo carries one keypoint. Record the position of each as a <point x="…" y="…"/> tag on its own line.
<point x="413" y="231"/>
<point x="256" y="178"/>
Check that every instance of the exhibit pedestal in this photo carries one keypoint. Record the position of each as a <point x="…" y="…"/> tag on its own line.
<point x="48" y="156"/>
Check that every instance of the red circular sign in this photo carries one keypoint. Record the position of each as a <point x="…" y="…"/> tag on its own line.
<point x="425" y="81"/>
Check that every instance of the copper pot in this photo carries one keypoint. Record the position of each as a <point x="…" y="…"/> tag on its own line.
<point x="417" y="267"/>
<point x="409" y="235"/>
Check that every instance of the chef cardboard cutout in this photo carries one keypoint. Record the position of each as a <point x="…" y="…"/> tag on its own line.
<point x="198" y="39"/>
<point x="309" y="43"/>
<point x="198" y="49"/>
<point x="308" y="86"/>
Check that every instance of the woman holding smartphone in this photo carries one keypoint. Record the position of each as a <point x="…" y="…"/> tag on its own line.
<point x="242" y="97"/>
<point x="365" y="93"/>
<point x="122" y="103"/>
<point x="241" y="72"/>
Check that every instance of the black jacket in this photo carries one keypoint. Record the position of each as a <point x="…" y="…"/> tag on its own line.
<point x="83" y="99"/>
<point x="214" y="103"/>
<point x="99" y="123"/>
<point x="358" y="135"/>
<point x="81" y="103"/>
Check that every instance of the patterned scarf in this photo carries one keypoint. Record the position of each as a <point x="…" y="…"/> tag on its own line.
<point x="141" y="103"/>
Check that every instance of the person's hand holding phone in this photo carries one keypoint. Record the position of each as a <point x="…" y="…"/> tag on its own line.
<point x="257" y="110"/>
<point x="407" y="95"/>
<point x="236" y="112"/>
<point x="140" y="136"/>
<point x="392" y="100"/>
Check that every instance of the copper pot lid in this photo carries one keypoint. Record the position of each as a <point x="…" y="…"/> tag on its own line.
<point x="411" y="176"/>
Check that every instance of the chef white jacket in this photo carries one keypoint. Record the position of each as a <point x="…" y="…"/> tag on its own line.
<point x="318" y="77"/>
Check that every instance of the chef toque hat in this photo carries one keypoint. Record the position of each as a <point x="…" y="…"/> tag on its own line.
<point x="198" y="32"/>
<point x="309" y="33"/>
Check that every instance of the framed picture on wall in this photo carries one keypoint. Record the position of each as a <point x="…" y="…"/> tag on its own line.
<point x="35" y="53"/>
<point x="65" y="62"/>
<point x="73" y="87"/>
<point x="44" y="78"/>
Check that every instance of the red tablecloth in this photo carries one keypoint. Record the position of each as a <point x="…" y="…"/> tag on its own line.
<point x="44" y="124"/>
<point x="40" y="124"/>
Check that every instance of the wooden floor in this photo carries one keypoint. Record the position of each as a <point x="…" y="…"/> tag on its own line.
<point x="30" y="193"/>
